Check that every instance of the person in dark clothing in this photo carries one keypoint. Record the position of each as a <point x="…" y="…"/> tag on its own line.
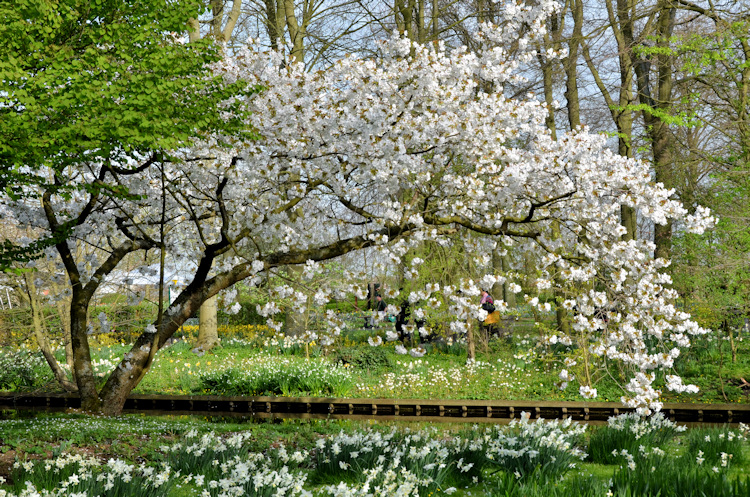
<point x="379" y="304"/>
<point x="373" y="288"/>
<point x="401" y="319"/>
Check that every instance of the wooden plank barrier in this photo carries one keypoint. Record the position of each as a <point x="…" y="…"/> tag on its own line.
<point x="486" y="411"/>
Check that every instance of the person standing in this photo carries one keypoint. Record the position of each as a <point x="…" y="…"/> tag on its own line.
<point x="379" y="304"/>
<point x="401" y="319"/>
<point x="489" y="325"/>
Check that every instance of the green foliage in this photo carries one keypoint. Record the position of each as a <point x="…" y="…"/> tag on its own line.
<point x="709" y="269"/>
<point x="95" y="82"/>
<point x="366" y="358"/>
<point x="350" y="457"/>
<point x="174" y="456"/>
<point x="201" y="450"/>
<point x="290" y="377"/>
<point x="125" y="321"/>
<point x="47" y="477"/>
<point x="23" y="370"/>
<point x="247" y="314"/>
<point x="341" y="306"/>
<point x="663" y="476"/>
<point x="706" y="445"/>
<point x="629" y="432"/>
<point x="540" y="450"/>
<point x="509" y="485"/>
<point x="116" y="479"/>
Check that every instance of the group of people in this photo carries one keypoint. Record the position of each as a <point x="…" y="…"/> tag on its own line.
<point x="488" y="326"/>
<point x="400" y="320"/>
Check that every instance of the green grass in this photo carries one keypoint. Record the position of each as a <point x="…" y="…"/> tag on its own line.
<point x="514" y="368"/>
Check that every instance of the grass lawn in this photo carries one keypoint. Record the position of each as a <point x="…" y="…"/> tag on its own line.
<point x="516" y="367"/>
<point x="252" y="360"/>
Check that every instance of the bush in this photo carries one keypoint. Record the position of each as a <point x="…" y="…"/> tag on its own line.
<point x="72" y="474"/>
<point x="368" y="457"/>
<point x="369" y="358"/>
<point x="342" y="306"/>
<point x="543" y="450"/>
<point x="125" y="321"/>
<point x="248" y="314"/>
<point x="23" y="370"/>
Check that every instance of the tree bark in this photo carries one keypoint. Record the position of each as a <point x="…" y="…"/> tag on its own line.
<point x="570" y="64"/>
<point x="621" y="24"/>
<point x="208" y="326"/>
<point x="41" y="338"/>
<point x="471" y="347"/>
<point x="85" y="379"/>
<point x="296" y="33"/>
<point x="497" y="268"/>
<point x="662" y="139"/>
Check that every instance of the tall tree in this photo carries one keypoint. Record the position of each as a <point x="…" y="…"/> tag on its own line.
<point x="88" y="97"/>
<point x="715" y="60"/>
<point x="654" y="57"/>
<point x="338" y="146"/>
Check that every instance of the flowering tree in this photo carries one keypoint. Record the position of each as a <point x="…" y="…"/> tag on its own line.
<point x="415" y="145"/>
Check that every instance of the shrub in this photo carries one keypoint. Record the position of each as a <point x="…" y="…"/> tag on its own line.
<point x="422" y="458"/>
<point x="367" y="358"/>
<point x="248" y="314"/>
<point x="125" y="321"/>
<point x="23" y="370"/>
<point x="341" y="306"/>
<point x="200" y="451"/>
<point x="71" y="474"/>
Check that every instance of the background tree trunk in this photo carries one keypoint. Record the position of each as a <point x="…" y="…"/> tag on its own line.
<point x="471" y="347"/>
<point x="41" y="336"/>
<point x="208" y="328"/>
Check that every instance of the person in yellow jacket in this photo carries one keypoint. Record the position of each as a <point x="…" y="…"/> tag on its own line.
<point x="489" y="326"/>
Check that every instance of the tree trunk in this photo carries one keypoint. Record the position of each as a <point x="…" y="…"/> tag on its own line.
<point x="295" y="323"/>
<point x="662" y="139"/>
<point x="63" y="312"/>
<point x="41" y="337"/>
<point x="622" y="114"/>
<point x="508" y="296"/>
<point x="208" y="326"/>
<point x="274" y="24"/>
<point x="296" y="34"/>
<point x="570" y="63"/>
<point x="85" y="379"/>
<point x="471" y="348"/>
<point x="497" y="268"/>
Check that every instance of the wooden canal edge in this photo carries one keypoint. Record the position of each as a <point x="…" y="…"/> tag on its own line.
<point x="428" y="410"/>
